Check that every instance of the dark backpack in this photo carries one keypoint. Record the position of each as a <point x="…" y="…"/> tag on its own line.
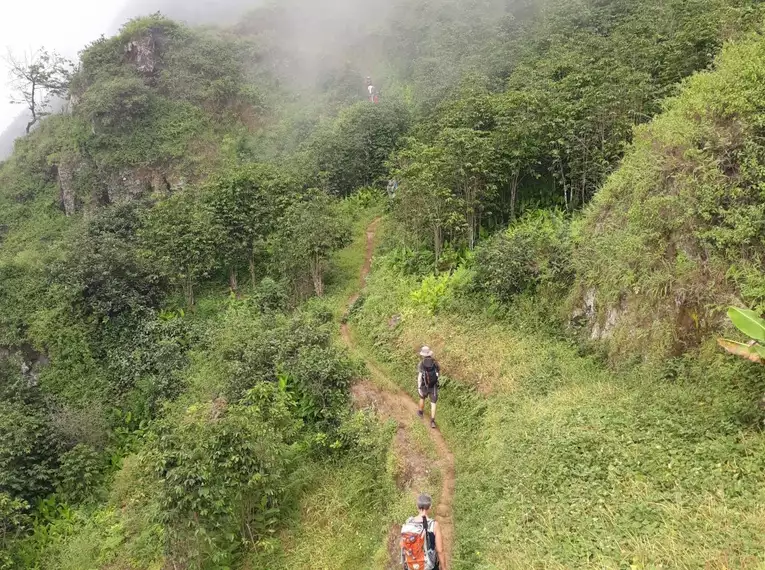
<point x="429" y="372"/>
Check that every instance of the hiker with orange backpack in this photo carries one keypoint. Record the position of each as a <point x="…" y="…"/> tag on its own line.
<point x="422" y="545"/>
<point x="428" y="373"/>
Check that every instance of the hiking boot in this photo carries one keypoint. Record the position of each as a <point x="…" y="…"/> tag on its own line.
<point x="419" y="413"/>
<point x="433" y="424"/>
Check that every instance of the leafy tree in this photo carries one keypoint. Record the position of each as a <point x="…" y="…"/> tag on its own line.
<point x="27" y="452"/>
<point x="38" y="78"/>
<point x="309" y="232"/>
<point x="246" y="204"/>
<point x="468" y="160"/>
<point x="179" y="234"/>
<point x="353" y="152"/>
<point x="425" y="203"/>
<point x="222" y="470"/>
<point x="519" y="142"/>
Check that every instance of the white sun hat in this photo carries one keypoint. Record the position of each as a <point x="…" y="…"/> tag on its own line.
<point x="426" y="351"/>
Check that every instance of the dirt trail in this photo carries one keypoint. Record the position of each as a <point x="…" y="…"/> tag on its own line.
<point x="399" y="406"/>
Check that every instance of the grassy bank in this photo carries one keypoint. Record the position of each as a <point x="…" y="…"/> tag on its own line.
<point x="562" y="463"/>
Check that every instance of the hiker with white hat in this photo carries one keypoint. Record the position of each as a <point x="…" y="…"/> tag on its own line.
<point x="428" y="373"/>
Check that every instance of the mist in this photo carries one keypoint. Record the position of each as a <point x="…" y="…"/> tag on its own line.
<point x="313" y="46"/>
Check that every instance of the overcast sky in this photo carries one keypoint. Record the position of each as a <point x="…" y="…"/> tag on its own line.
<point x="64" y="26"/>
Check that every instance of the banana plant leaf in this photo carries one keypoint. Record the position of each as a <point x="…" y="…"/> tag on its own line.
<point x="753" y="352"/>
<point x="748" y="322"/>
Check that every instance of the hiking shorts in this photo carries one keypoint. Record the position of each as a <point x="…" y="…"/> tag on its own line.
<point x="431" y="392"/>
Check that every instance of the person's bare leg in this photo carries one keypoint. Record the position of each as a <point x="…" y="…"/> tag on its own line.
<point x="432" y="411"/>
<point x="422" y="405"/>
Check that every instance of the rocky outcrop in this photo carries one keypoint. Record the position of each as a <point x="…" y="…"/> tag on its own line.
<point x="29" y="360"/>
<point x="587" y="316"/>
<point x="67" y="192"/>
<point x="144" y="53"/>
<point x="131" y="184"/>
<point x="606" y="330"/>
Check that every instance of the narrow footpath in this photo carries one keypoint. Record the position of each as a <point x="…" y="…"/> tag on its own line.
<point x="399" y="406"/>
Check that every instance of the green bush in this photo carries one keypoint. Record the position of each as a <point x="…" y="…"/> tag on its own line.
<point x="13" y="520"/>
<point x="408" y="261"/>
<point x="115" y="103"/>
<point x="534" y="252"/>
<point x="447" y="291"/>
<point x="28" y="452"/>
<point x="320" y="378"/>
<point x="222" y="471"/>
<point x="270" y="295"/>
<point x="104" y="276"/>
<point x="80" y="472"/>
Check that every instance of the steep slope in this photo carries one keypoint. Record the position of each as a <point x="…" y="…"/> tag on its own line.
<point x="677" y="233"/>
<point x="562" y="462"/>
<point x="12" y="132"/>
<point x="173" y="395"/>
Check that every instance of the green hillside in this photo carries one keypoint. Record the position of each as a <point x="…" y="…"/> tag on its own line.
<point x="578" y="199"/>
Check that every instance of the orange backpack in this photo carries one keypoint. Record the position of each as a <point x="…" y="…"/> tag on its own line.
<point x="418" y="544"/>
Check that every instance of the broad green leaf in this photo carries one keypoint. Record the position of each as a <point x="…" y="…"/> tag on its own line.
<point x="755" y="353"/>
<point x="748" y="322"/>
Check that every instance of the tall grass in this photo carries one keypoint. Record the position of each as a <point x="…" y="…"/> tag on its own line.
<point x="563" y="463"/>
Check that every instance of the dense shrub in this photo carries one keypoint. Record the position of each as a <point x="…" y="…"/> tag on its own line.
<point x="80" y="471"/>
<point x="222" y="471"/>
<point x="115" y="103"/>
<point x="270" y="295"/>
<point x="28" y="452"/>
<point x="104" y="276"/>
<point x="13" y="519"/>
<point x="320" y="378"/>
<point x="534" y="252"/>
<point x="352" y="152"/>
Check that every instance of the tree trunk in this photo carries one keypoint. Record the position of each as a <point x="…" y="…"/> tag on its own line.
<point x="514" y="194"/>
<point x="471" y="229"/>
<point x="233" y="281"/>
<point x="470" y="215"/>
<point x="188" y="291"/>
<point x="565" y="187"/>
<point x="318" y="278"/>
<point x="318" y="282"/>
<point x="584" y="175"/>
<point x="32" y="108"/>
<point x="437" y="240"/>
<point x="252" y="270"/>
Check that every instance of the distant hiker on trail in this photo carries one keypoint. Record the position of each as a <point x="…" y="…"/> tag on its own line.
<point x="428" y="373"/>
<point x="422" y="546"/>
<point x="392" y="187"/>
